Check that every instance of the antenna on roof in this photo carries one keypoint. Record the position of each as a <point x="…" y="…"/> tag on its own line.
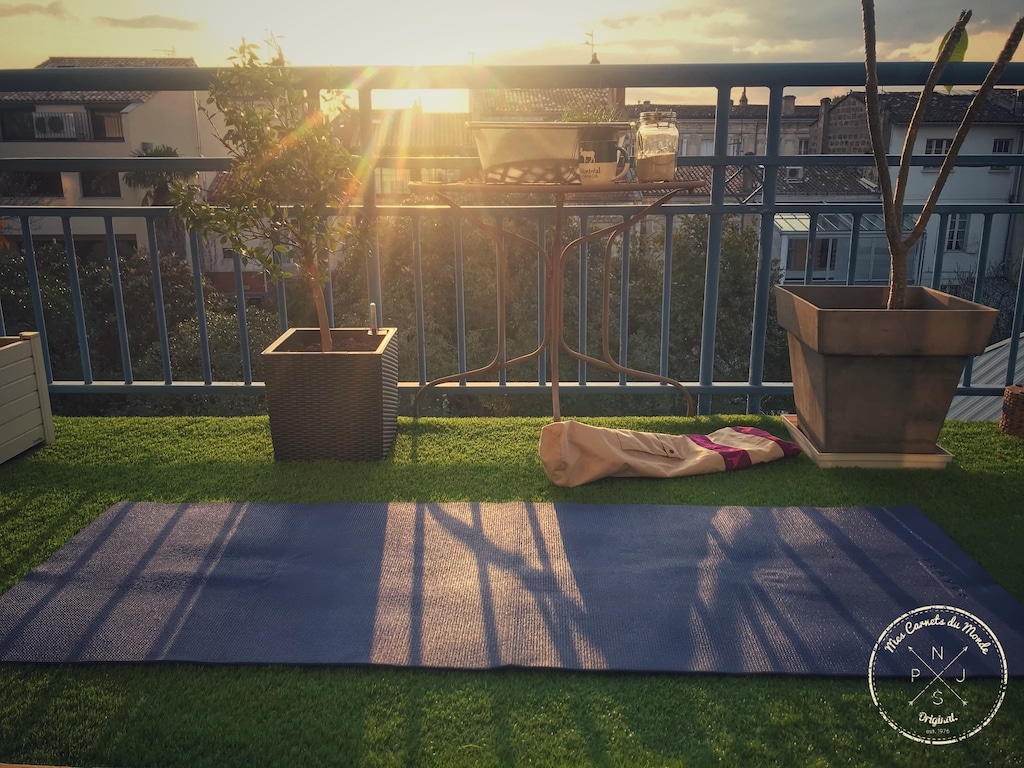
<point x="593" y="52"/>
<point x="168" y="52"/>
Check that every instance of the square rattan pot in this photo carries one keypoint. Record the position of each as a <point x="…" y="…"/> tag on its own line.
<point x="340" y="405"/>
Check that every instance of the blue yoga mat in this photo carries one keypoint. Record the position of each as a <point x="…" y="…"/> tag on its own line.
<point x="741" y="590"/>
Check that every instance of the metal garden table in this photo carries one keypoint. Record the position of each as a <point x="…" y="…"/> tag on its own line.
<point x="553" y="339"/>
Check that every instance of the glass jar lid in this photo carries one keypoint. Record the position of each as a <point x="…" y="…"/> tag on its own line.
<point x="657" y="116"/>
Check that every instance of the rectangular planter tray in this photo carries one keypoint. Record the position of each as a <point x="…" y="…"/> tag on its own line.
<point x="937" y="460"/>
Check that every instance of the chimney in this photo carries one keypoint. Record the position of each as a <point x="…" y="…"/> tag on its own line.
<point x="789" y="105"/>
<point x="824" y="110"/>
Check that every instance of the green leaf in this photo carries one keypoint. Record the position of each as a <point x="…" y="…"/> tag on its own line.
<point x="958" y="53"/>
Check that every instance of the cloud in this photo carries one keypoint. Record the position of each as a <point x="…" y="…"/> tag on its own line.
<point x="56" y="10"/>
<point x="151" y="22"/>
<point x="620" y="22"/>
<point x="829" y="30"/>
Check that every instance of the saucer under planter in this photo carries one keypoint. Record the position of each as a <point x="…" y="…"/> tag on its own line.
<point x="870" y="380"/>
<point x="340" y="405"/>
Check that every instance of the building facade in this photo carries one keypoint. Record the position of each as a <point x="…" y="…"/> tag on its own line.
<point x="104" y="124"/>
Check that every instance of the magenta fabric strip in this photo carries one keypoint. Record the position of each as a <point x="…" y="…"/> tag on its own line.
<point x="788" y="448"/>
<point x="735" y="458"/>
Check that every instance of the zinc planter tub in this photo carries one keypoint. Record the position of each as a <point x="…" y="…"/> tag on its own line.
<point x="25" y="417"/>
<point x="340" y="405"/>
<point x="868" y="380"/>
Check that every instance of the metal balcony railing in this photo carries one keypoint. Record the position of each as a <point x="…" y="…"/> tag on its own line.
<point x="718" y="206"/>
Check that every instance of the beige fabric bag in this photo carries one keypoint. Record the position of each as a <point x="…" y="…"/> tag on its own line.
<point x="573" y="453"/>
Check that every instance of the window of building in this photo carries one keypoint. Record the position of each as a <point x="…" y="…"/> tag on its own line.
<point x="443" y="175"/>
<point x="803" y="147"/>
<point x="707" y="147"/>
<point x="106" y="125"/>
<point x="392" y="181"/>
<point x="956" y="231"/>
<point x="936" y="147"/>
<point x="826" y="250"/>
<point x="16" y="125"/>
<point x="32" y="184"/>
<point x="100" y="184"/>
<point x="1001" y="147"/>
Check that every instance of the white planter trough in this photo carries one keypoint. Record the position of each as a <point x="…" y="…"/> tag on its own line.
<point x="25" y="417"/>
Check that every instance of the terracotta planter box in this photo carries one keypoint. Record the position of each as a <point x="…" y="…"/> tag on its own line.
<point x="871" y="380"/>
<point x="340" y="405"/>
<point x="25" y="417"/>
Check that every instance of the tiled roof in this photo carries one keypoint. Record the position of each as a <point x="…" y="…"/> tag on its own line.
<point x="92" y="97"/>
<point x="686" y="112"/>
<point x="55" y="62"/>
<point x="414" y="132"/>
<point x="554" y="100"/>
<point x="816" y="182"/>
<point x="943" y="108"/>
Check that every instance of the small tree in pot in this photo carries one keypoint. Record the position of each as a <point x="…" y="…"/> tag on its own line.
<point x="331" y="393"/>
<point x="875" y="369"/>
<point x="953" y="47"/>
<point x="290" y="174"/>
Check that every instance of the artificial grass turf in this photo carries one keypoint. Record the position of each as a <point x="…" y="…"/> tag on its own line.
<point x="184" y="715"/>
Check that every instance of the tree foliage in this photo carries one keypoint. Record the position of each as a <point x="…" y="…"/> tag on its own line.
<point x="291" y="177"/>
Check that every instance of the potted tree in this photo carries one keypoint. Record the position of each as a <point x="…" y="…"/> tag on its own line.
<point x="331" y="392"/>
<point x="875" y="369"/>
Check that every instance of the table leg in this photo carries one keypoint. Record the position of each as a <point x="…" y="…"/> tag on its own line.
<point x="609" y="363"/>
<point x="498" y="236"/>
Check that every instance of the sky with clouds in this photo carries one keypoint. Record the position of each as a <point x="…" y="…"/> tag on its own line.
<point x="414" y="32"/>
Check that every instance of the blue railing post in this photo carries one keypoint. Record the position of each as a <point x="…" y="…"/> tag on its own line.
<point x="197" y="289"/>
<point x="368" y="165"/>
<point x="762" y="286"/>
<point x="76" y="300"/>
<point x="158" y="301"/>
<point x="712" y="270"/>
<point x="35" y="293"/>
<point x="115" y="284"/>
<point x="243" y="324"/>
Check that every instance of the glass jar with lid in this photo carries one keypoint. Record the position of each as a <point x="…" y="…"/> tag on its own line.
<point x="657" y="144"/>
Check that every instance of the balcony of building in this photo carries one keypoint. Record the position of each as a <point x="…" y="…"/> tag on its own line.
<point x="196" y="355"/>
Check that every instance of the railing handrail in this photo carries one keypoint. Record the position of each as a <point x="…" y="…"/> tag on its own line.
<point x="777" y="78"/>
<point x="793" y="75"/>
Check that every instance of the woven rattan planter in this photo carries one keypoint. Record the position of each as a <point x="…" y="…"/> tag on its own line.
<point x="1012" y="420"/>
<point x="340" y="405"/>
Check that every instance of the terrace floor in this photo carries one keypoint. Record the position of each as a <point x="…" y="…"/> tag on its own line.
<point x="184" y="715"/>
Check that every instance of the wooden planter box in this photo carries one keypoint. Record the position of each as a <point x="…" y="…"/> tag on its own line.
<point x="25" y="417"/>
<point x="340" y="405"/>
<point x="868" y="380"/>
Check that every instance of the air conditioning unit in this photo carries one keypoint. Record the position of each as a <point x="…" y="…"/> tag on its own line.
<point x="794" y="173"/>
<point x="55" y="125"/>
